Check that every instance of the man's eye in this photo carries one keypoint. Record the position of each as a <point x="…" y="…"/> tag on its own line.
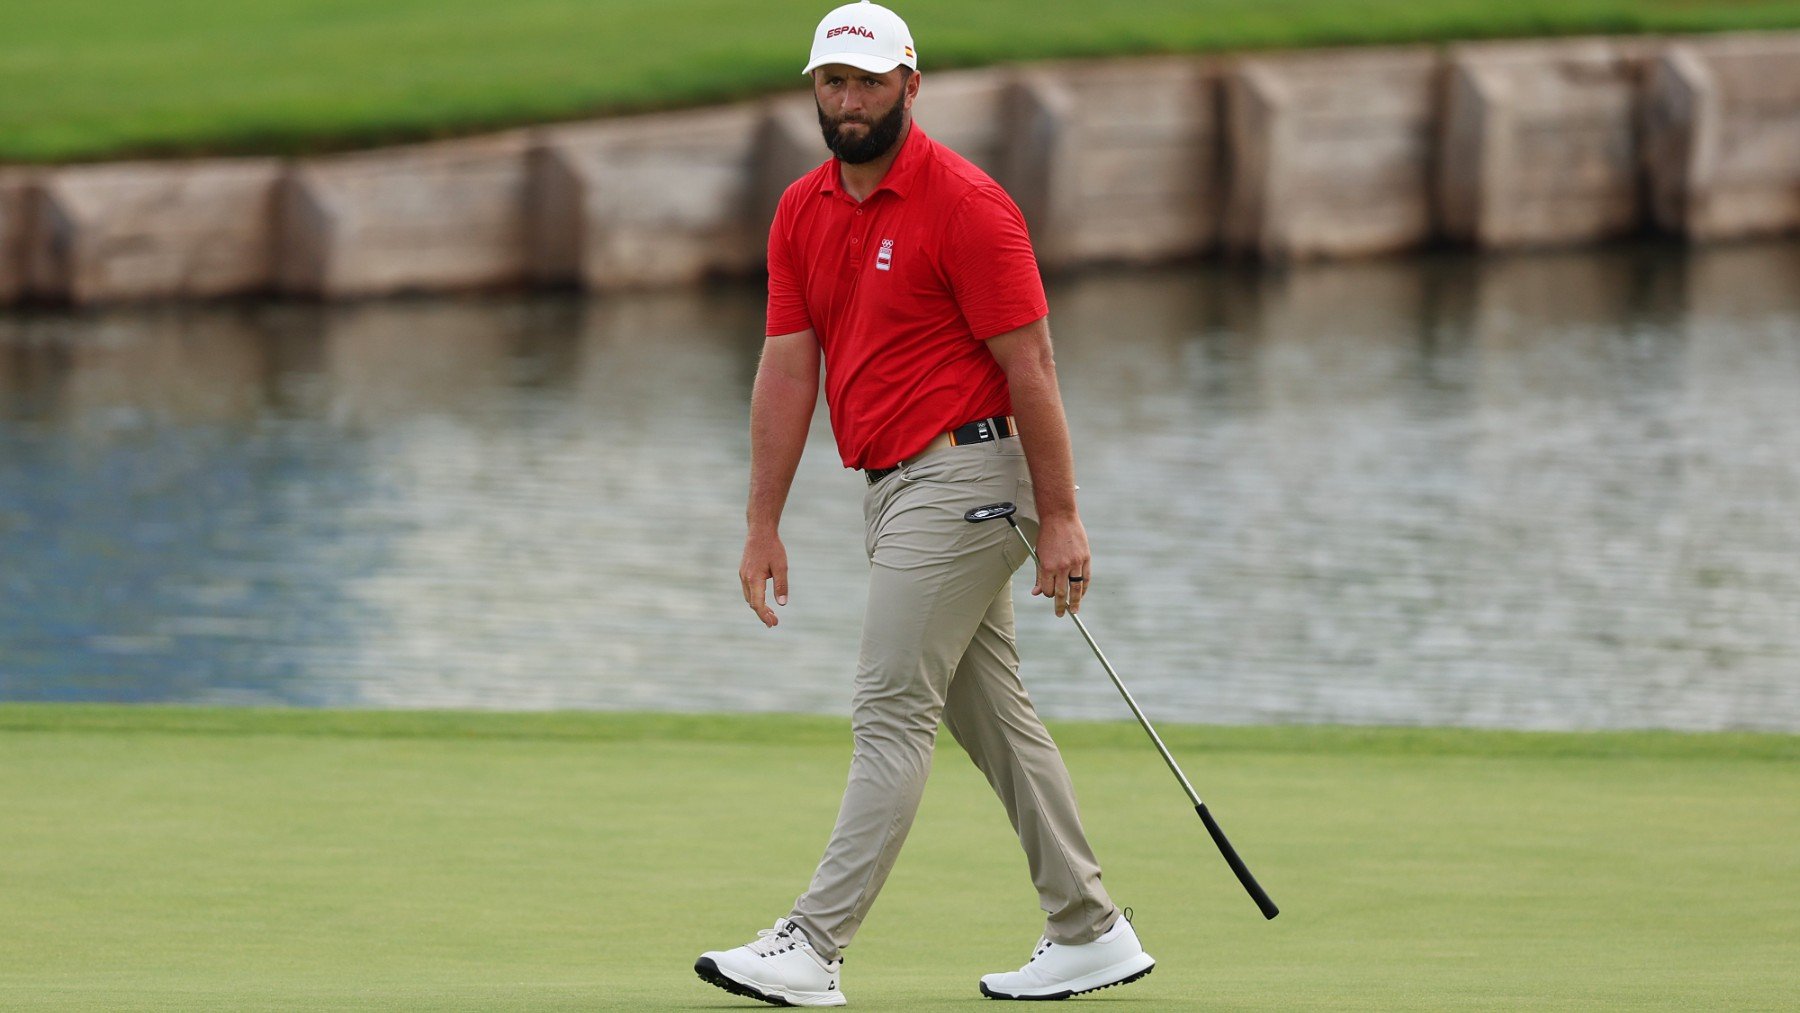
<point x="871" y="82"/>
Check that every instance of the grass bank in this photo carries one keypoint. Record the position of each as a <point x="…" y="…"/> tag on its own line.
<point x="96" y="78"/>
<point x="212" y="859"/>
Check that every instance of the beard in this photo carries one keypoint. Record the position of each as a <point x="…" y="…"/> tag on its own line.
<point x="872" y="145"/>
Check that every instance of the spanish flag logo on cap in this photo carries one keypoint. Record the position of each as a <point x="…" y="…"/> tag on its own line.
<point x="909" y="53"/>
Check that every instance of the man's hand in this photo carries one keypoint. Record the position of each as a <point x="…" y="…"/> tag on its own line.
<point x="1062" y="551"/>
<point x="765" y="559"/>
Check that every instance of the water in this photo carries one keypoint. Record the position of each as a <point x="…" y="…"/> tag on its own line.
<point x="1550" y="491"/>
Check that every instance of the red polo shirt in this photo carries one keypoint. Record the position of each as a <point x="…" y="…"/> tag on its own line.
<point x="902" y="289"/>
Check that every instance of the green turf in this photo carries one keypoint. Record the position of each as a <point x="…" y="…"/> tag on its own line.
<point x="87" y="78"/>
<point x="212" y="859"/>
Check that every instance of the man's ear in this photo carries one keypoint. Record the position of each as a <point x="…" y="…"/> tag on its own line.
<point x="912" y="89"/>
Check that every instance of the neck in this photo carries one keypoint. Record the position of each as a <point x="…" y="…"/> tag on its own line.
<point x="861" y="180"/>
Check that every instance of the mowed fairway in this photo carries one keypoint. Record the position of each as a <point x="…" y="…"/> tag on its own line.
<point x="97" y="78"/>
<point x="195" y="859"/>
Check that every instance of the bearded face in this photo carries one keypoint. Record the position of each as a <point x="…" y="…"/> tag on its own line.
<point x="864" y="134"/>
<point x="855" y="140"/>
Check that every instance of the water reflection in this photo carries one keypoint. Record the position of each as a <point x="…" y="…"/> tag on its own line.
<point x="1539" y="491"/>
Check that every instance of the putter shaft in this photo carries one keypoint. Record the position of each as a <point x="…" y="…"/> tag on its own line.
<point x="1257" y="894"/>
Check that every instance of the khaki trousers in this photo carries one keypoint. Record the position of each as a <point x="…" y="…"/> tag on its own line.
<point x="938" y="645"/>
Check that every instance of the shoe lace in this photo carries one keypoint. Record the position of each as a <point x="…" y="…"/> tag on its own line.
<point x="769" y="942"/>
<point x="1044" y="943"/>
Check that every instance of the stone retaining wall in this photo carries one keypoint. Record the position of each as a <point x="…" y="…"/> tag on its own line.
<point x="965" y="110"/>
<point x="650" y="200"/>
<point x="1332" y="153"/>
<point x="1541" y="144"/>
<point x="15" y="192"/>
<point x="1118" y="161"/>
<point x="1274" y="156"/>
<point x="101" y="233"/>
<point x="422" y="218"/>
<point x="1724" y="144"/>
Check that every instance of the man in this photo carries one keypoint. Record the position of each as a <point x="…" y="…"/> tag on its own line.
<point x="910" y="272"/>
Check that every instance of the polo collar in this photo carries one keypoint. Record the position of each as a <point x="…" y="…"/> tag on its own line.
<point x="900" y="176"/>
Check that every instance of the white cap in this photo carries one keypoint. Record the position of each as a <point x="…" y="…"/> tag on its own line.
<point x="863" y="35"/>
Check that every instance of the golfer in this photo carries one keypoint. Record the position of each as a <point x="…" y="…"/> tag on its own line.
<point x="908" y="271"/>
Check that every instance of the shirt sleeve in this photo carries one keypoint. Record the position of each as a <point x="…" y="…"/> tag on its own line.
<point x="992" y="270"/>
<point x="787" y="302"/>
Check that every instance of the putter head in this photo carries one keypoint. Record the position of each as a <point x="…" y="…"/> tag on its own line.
<point x="989" y="512"/>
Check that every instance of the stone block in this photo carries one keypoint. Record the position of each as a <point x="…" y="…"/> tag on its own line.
<point x="647" y="201"/>
<point x="1332" y="153"/>
<point x="436" y="217"/>
<point x="964" y="109"/>
<point x="1117" y="160"/>
<point x="1540" y="144"/>
<point x="152" y="230"/>
<point x="788" y="147"/>
<point x="15" y="202"/>
<point x="1722" y="136"/>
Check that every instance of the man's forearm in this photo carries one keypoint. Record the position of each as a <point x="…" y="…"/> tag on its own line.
<point x="1044" y="431"/>
<point x="1064" y="563"/>
<point x="781" y="408"/>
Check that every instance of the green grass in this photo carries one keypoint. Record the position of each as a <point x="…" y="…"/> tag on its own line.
<point x="92" y="78"/>
<point x="217" y="859"/>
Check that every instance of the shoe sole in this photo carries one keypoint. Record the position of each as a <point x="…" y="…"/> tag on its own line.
<point x="1066" y="993"/>
<point x="709" y="972"/>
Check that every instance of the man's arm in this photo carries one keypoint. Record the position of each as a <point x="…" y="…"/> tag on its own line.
<point x="781" y="409"/>
<point x="1025" y="356"/>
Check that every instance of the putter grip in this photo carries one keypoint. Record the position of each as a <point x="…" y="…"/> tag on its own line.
<point x="1262" y="900"/>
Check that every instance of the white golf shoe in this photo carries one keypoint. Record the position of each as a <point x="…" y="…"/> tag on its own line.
<point x="1056" y="971"/>
<point x="779" y="967"/>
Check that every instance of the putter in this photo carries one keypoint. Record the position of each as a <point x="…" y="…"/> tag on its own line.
<point x="1269" y="910"/>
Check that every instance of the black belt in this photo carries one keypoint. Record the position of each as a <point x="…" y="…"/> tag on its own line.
<point x="980" y="431"/>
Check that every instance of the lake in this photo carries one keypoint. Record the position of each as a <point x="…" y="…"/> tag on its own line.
<point x="1546" y="491"/>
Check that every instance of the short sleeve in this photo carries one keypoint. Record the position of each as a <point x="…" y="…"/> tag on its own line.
<point x="787" y="302"/>
<point x="991" y="268"/>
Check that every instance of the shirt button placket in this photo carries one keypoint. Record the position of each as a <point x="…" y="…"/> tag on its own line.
<point x="855" y="242"/>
